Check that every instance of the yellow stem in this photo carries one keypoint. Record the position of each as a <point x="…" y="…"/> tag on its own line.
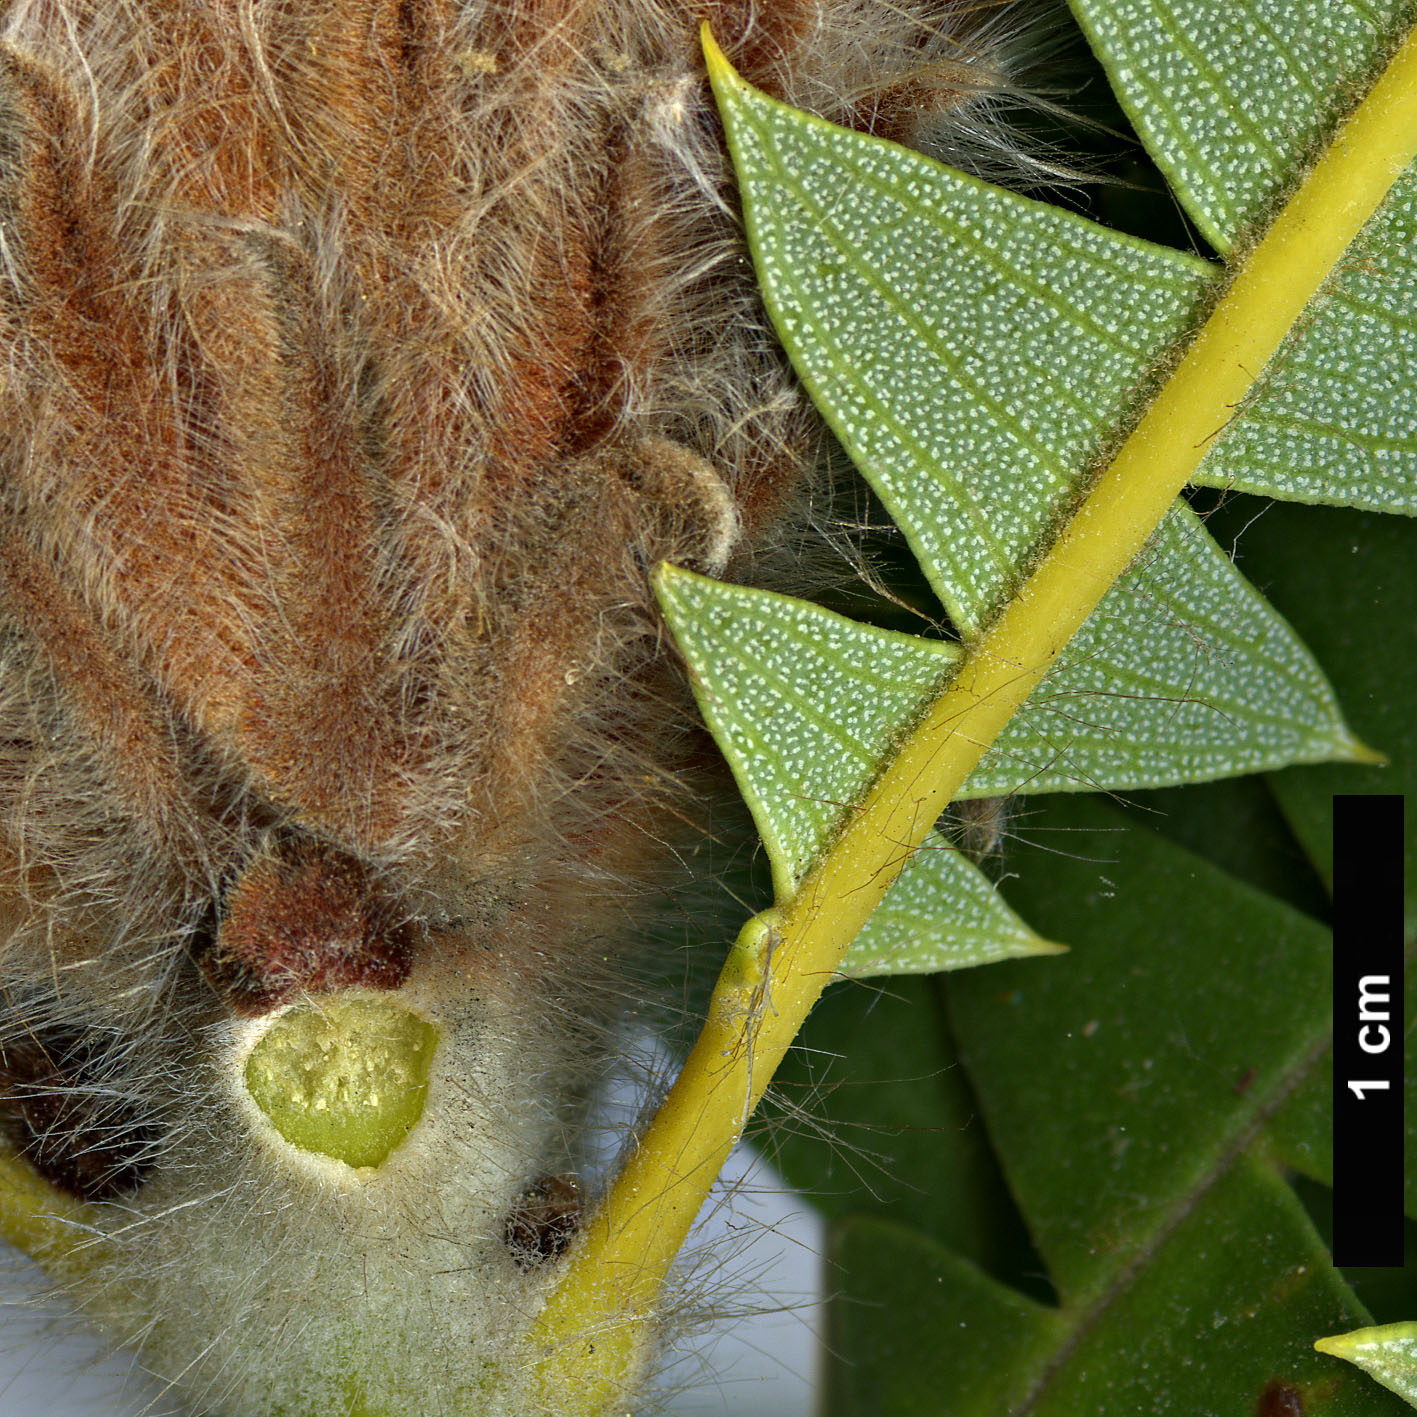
<point x="594" y="1323"/>
<point x="43" y="1222"/>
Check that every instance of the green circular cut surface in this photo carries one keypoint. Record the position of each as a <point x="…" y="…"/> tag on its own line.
<point x="343" y="1077"/>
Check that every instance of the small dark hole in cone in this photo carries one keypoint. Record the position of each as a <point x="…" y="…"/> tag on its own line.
<point x="545" y="1221"/>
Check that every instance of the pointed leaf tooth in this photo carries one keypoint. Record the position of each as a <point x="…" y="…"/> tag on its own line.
<point x="1227" y="98"/>
<point x="1386" y="1352"/>
<point x="970" y="348"/>
<point x="804" y="703"/>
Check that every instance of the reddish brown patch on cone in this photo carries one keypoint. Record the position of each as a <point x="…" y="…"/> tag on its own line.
<point x="305" y="919"/>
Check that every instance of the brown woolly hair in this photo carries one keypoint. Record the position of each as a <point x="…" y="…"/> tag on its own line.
<point x="360" y="359"/>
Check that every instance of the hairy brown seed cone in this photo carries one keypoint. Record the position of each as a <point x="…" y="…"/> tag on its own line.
<point x="358" y="358"/>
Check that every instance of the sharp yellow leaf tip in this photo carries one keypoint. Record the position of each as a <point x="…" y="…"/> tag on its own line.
<point x="1343" y="1345"/>
<point x="720" y="71"/>
<point x="1357" y="751"/>
<point x="666" y="573"/>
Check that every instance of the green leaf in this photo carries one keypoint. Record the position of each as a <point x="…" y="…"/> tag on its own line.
<point x="1182" y="674"/>
<point x="920" y="1322"/>
<point x="1168" y="1079"/>
<point x="802" y="702"/>
<point x="970" y="348"/>
<point x="1323" y="424"/>
<point x="942" y="912"/>
<point x="1229" y="98"/>
<point x="1388" y="1353"/>
<point x="1212" y="1322"/>
<point x="1225" y="96"/>
<point x="903" y="293"/>
<point x="797" y="765"/>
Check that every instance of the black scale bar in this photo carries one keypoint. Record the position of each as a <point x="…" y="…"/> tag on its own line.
<point x="1368" y="1030"/>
